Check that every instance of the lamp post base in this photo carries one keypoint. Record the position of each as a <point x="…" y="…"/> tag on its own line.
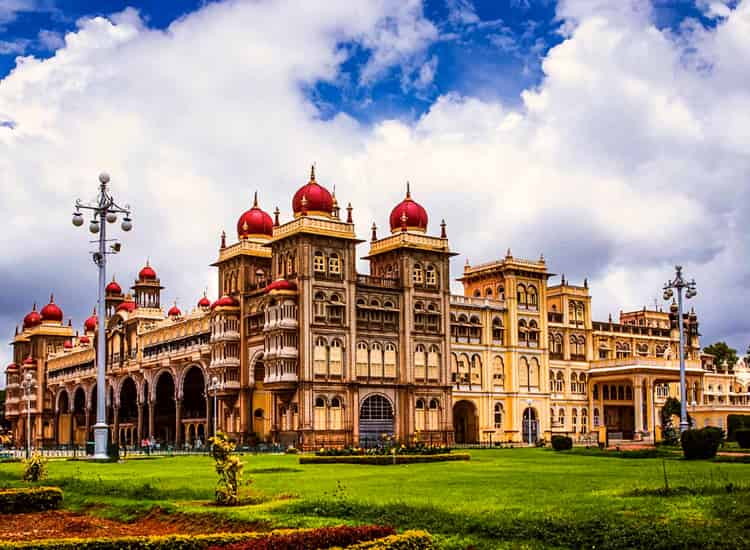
<point x="684" y="426"/>
<point x="101" y="432"/>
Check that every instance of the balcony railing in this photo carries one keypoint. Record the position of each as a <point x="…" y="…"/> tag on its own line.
<point x="378" y="282"/>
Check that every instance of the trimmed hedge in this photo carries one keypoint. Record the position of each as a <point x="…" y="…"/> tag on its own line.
<point x="701" y="444"/>
<point x="32" y="499"/>
<point x="323" y="537"/>
<point x="409" y="540"/>
<point x="736" y="422"/>
<point x="562" y="442"/>
<point x="742" y="436"/>
<point x="382" y="460"/>
<point x="282" y="539"/>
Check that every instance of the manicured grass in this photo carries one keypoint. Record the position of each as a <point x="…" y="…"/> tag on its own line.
<point x="510" y="498"/>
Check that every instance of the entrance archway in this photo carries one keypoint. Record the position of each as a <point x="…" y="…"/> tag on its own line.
<point x="164" y="409"/>
<point x="64" y="419"/>
<point x="79" y="417"/>
<point x="128" y="413"/>
<point x="465" y="423"/>
<point x="530" y="425"/>
<point x="193" y="402"/>
<point x="375" y="419"/>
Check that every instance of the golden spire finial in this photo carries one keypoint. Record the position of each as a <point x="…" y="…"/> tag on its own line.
<point x="51" y="297"/>
<point x="408" y="190"/>
<point x="255" y="200"/>
<point x="312" y="172"/>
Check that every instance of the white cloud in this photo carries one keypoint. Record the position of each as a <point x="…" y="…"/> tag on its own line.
<point x="630" y="156"/>
<point x="50" y="40"/>
<point x="18" y="46"/>
<point x="9" y="9"/>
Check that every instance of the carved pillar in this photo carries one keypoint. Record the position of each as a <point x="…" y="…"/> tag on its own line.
<point x="151" y="419"/>
<point x="209" y="417"/>
<point x="139" y="425"/>
<point x="88" y="425"/>
<point x="637" y="404"/>
<point x="651" y="424"/>
<point x="178" y="422"/>
<point x="116" y="422"/>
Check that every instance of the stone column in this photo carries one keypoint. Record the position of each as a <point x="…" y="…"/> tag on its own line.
<point x="209" y="417"/>
<point x="88" y="425"/>
<point x="151" y="408"/>
<point x="178" y="422"/>
<point x="116" y="422"/>
<point x="139" y="425"/>
<point x="638" y="403"/>
<point x="651" y="423"/>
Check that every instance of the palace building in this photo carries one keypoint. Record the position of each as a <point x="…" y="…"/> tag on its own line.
<point x="307" y="351"/>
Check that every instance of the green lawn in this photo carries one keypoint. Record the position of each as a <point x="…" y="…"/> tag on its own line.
<point x="515" y="498"/>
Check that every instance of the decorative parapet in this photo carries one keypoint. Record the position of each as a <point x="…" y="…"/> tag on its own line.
<point x="409" y="239"/>
<point x="244" y="247"/>
<point x="316" y="226"/>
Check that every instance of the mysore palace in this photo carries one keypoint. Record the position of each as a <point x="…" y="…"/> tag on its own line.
<point x="309" y="352"/>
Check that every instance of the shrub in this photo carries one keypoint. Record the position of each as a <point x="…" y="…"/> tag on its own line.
<point x="736" y="422"/>
<point x="381" y="460"/>
<point x="701" y="444"/>
<point x="410" y="540"/>
<point x="324" y="537"/>
<point x="35" y="499"/>
<point x="229" y="467"/>
<point x="35" y="468"/>
<point x="562" y="442"/>
<point x="742" y="436"/>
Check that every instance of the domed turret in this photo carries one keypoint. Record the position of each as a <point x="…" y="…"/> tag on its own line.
<point x="89" y="325"/>
<point x="225" y="301"/>
<point x="113" y="287"/>
<point x="312" y="199"/>
<point x="147" y="273"/>
<point x="174" y="311"/>
<point x="52" y="312"/>
<point x="408" y="215"/>
<point x="32" y="318"/>
<point x="255" y="223"/>
<point x="204" y="302"/>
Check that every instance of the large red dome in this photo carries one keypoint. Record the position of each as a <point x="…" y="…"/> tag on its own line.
<point x="318" y="201"/>
<point x="254" y="223"/>
<point x="113" y="287"/>
<point x="147" y="273"/>
<point x="52" y="312"/>
<point x="225" y="301"/>
<point x="32" y="318"/>
<point x="408" y="214"/>
<point x="89" y="325"/>
<point x="174" y="311"/>
<point x="281" y="285"/>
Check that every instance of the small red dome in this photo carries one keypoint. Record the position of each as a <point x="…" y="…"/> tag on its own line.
<point x="84" y="340"/>
<point x="128" y="306"/>
<point x="52" y="312"/>
<point x="317" y="198"/>
<point x="28" y="361"/>
<point x="408" y="214"/>
<point x="281" y="284"/>
<point x="174" y="311"/>
<point x="68" y="344"/>
<point x="204" y="302"/>
<point x="89" y="325"/>
<point x="113" y="287"/>
<point x="147" y="273"/>
<point x="225" y="301"/>
<point x="254" y="223"/>
<point x="32" y="318"/>
<point x="11" y="367"/>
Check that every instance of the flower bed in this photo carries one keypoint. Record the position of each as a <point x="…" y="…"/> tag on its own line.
<point x="33" y="499"/>
<point x="382" y="460"/>
<point x="387" y="448"/>
<point x="284" y="539"/>
<point x="409" y="540"/>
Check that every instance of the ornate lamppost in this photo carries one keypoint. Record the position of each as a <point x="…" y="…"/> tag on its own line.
<point x="105" y="209"/>
<point x="680" y="284"/>
<point x="215" y="386"/>
<point x="27" y="385"/>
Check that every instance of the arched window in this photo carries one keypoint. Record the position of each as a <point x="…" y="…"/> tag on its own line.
<point x="320" y="413"/>
<point x="561" y="417"/>
<point x="523" y="373"/>
<point x="533" y="333"/>
<point x="596" y="418"/>
<point x="376" y="360"/>
<point x="574" y="419"/>
<point x="433" y="415"/>
<point x="336" y="416"/>
<point x="334" y="264"/>
<point x="431" y="276"/>
<point x="522" y="332"/>
<point x="584" y="420"/>
<point x="488" y="292"/>
<point x="419" y="415"/>
<point x="605" y="392"/>
<point x="498" y="331"/>
<point x="420" y="363"/>
<point x="501" y="292"/>
<point x="418" y="274"/>
<point x="477" y="293"/>
<point x="290" y="264"/>
<point x="534" y="373"/>
<point x="336" y="358"/>
<point x="559" y="382"/>
<point x="628" y="393"/>
<point x="532" y="297"/>
<point x="498" y="416"/>
<point x="476" y="370"/>
<point x="552" y="381"/>
<point x="319" y="262"/>
<point x="319" y="306"/>
<point x="320" y="357"/>
<point x="521" y="295"/>
<point x="498" y="371"/>
<point x="389" y="360"/>
<point x="574" y="383"/>
<point x="361" y="360"/>
<point x="433" y="363"/>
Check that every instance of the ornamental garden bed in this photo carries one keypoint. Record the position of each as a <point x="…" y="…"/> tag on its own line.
<point x="31" y="499"/>
<point x="382" y="460"/>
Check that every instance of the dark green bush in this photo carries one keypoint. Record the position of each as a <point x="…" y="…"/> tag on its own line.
<point x="34" y="499"/>
<point x="381" y="460"/>
<point x="562" y="442"/>
<point x="410" y="540"/>
<point x="742" y="436"/>
<point x="701" y="444"/>
<point x="323" y="537"/>
<point x="736" y="422"/>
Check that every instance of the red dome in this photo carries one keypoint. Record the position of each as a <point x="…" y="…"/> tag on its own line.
<point x="128" y="306"/>
<point x="84" y="340"/>
<point x="68" y="344"/>
<point x="408" y="213"/>
<point x="28" y="361"/>
<point x="254" y="223"/>
<point x="204" y="302"/>
<point x="318" y="199"/>
<point x="174" y="311"/>
<point x="32" y="318"/>
<point x="281" y="284"/>
<point x="11" y="367"/>
<point x="225" y="301"/>
<point x="51" y="312"/>
<point x="113" y="287"/>
<point x="147" y="273"/>
<point x="89" y="325"/>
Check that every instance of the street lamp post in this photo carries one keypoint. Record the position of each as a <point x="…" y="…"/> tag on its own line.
<point x="215" y="387"/>
<point x="104" y="209"/>
<point x="28" y="386"/>
<point x="679" y="283"/>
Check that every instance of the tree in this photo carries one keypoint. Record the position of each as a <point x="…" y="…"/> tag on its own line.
<point x="724" y="357"/>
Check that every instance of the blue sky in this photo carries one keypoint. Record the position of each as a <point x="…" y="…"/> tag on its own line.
<point x="487" y="48"/>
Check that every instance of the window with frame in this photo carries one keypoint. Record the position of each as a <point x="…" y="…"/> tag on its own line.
<point x="498" y="371"/>
<point x="389" y="361"/>
<point x="320" y="414"/>
<point x="376" y="360"/>
<point x="336" y="414"/>
<point x="418" y="274"/>
<point x="419" y="415"/>
<point x="532" y="298"/>
<point x="433" y="415"/>
<point x="433" y="363"/>
<point x="320" y="357"/>
<point x="319" y="262"/>
<point x="336" y="358"/>
<point x="498" y="331"/>
<point x="334" y="264"/>
<point x="498" y="416"/>
<point x="431" y="276"/>
<point x="362" y="360"/>
<point x="420" y="359"/>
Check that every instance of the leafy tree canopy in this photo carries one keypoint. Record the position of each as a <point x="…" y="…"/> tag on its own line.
<point x="724" y="356"/>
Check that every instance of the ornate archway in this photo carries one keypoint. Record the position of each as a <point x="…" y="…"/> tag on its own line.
<point x="165" y="412"/>
<point x="128" y="412"/>
<point x="375" y="419"/>
<point x="465" y="422"/>
<point x="193" y="404"/>
<point x="530" y="425"/>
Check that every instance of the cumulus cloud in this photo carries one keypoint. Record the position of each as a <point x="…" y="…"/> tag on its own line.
<point x="629" y="156"/>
